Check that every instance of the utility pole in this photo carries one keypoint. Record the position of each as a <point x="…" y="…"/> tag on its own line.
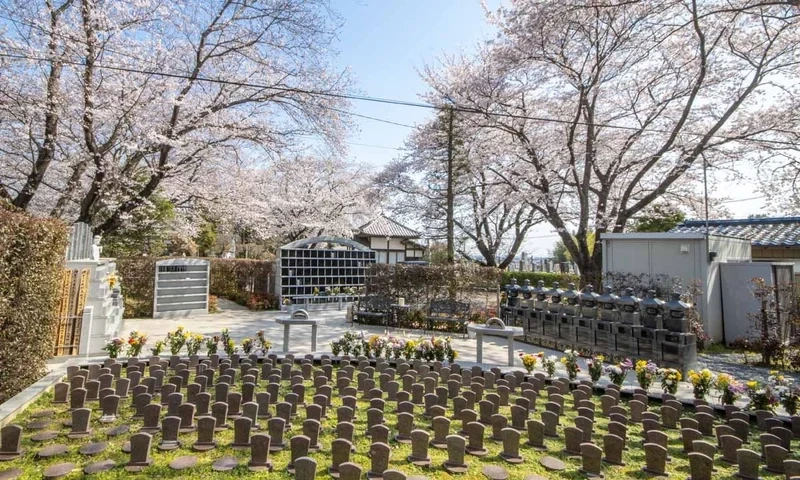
<point x="451" y="256"/>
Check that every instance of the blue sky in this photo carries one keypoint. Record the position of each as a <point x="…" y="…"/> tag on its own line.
<point x="385" y="42"/>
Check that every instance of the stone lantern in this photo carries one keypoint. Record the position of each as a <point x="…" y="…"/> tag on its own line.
<point x="540" y="303"/>
<point x="572" y="297"/>
<point x="674" y="316"/>
<point x="584" y="330"/>
<point x="588" y="302"/>
<point x="651" y="309"/>
<point x="555" y="294"/>
<point x="628" y="306"/>
<point x="527" y="293"/>
<point x="608" y="304"/>
<point x="512" y="292"/>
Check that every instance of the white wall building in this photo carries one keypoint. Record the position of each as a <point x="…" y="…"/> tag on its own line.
<point x="686" y="256"/>
<point x="392" y="242"/>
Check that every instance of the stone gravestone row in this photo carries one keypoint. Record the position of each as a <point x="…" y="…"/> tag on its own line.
<point x="421" y="394"/>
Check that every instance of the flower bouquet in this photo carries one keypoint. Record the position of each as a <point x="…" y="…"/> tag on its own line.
<point x="263" y="344"/>
<point x="193" y="343"/>
<point x="549" y="365"/>
<point x="790" y="399"/>
<point x="730" y="389"/>
<point x="570" y="361"/>
<point x="136" y="342"/>
<point x="595" y="366"/>
<point x="212" y="344"/>
<point x="176" y="339"/>
<point x="670" y="378"/>
<point x="763" y="396"/>
<point x="701" y="382"/>
<point x="247" y="346"/>
<point x="617" y="373"/>
<point x="645" y="373"/>
<point x="158" y="347"/>
<point x="114" y="347"/>
<point x="529" y="360"/>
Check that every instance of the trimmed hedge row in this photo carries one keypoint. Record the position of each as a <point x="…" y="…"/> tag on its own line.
<point x="31" y="268"/>
<point x="246" y="282"/>
<point x="563" y="279"/>
<point x="423" y="283"/>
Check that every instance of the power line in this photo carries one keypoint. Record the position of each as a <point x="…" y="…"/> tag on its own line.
<point x="388" y="101"/>
<point x="744" y="199"/>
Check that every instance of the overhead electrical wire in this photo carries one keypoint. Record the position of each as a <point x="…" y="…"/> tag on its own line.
<point x="387" y="101"/>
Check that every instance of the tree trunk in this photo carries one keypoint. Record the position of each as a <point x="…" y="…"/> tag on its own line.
<point x="46" y="152"/>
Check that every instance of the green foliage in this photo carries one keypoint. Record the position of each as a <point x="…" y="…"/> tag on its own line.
<point x="660" y="218"/>
<point x="561" y="254"/>
<point x="246" y="282"/>
<point x="548" y="277"/>
<point x="147" y="233"/>
<point x="31" y="268"/>
<point x="423" y="283"/>
<point x="206" y="238"/>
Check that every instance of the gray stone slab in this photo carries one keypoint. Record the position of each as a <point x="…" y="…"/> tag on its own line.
<point x="44" y="436"/>
<point x="495" y="472"/>
<point x="93" y="448"/>
<point x="52" y="451"/>
<point x="11" y="474"/>
<point x="101" y="466"/>
<point x="59" y="470"/>
<point x="225" y="464"/>
<point x="182" y="463"/>
<point x="553" y="464"/>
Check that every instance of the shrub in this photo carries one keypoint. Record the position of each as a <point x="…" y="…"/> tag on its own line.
<point x="548" y="278"/>
<point x="31" y="268"/>
<point x="422" y="283"/>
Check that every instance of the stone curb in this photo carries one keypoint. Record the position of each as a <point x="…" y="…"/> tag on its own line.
<point x="19" y="402"/>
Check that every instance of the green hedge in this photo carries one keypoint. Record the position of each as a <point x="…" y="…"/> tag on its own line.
<point x="137" y="281"/>
<point x="548" y="277"/>
<point x="423" y="283"/>
<point x="31" y="266"/>
<point x="246" y="282"/>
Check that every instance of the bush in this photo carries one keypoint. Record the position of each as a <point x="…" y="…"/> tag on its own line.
<point x="31" y="269"/>
<point x="137" y="284"/>
<point x="563" y="279"/>
<point x="422" y="283"/>
<point x="246" y="282"/>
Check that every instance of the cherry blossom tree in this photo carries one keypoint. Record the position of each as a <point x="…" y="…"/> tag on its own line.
<point x="304" y="196"/>
<point x="138" y="97"/>
<point x="488" y="216"/>
<point x="606" y="108"/>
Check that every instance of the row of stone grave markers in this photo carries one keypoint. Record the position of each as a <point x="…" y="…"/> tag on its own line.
<point x="472" y="397"/>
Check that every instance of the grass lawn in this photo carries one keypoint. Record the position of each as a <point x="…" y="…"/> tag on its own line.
<point x="678" y="467"/>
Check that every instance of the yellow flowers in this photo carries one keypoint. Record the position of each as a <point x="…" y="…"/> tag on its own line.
<point x="529" y="361"/>
<point x="701" y="382"/>
<point x="563" y="360"/>
<point x="600" y="358"/>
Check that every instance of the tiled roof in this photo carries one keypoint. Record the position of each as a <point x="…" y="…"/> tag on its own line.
<point x="762" y="232"/>
<point x="385" y="227"/>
